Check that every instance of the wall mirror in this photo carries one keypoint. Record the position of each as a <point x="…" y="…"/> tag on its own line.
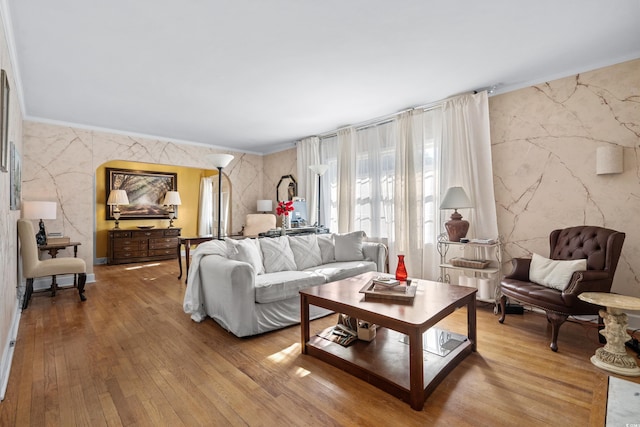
<point x="287" y="188"/>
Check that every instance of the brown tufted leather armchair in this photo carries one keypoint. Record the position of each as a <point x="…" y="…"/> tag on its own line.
<point x="600" y="246"/>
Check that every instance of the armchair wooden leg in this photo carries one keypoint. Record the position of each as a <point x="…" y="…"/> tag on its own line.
<point x="82" y="279"/>
<point x="27" y="293"/>
<point x="556" y="321"/>
<point x="503" y="308"/>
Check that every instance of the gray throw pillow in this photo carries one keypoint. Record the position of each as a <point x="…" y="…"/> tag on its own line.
<point x="306" y="251"/>
<point x="327" y="248"/>
<point x="246" y="250"/>
<point x="277" y="254"/>
<point x="349" y="246"/>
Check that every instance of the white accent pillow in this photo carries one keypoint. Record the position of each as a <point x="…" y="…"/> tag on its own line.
<point x="277" y="255"/>
<point x="246" y="250"/>
<point x="349" y="246"/>
<point x="327" y="248"/>
<point x="306" y="251"/>
<point x="554" y="274"/>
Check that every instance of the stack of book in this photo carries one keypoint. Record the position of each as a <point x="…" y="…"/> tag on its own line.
<point x="56" y="238"/>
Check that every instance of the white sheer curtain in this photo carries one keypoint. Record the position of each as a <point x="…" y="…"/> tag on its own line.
<point x="346" y="179"/>
<point x="205" y="207"/>
<point x="308" y="152"/>
<point x="329" y="207"/>
<point x="466" y="160"/>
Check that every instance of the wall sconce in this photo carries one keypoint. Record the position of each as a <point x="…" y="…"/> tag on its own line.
<point x="39" y="210"/>
<point x="117" y="198"/>
<point x="265" y="206"/>
<point x="455" y="199"/>
<point x="609" y="160"/>
<point x="172" y="199"/>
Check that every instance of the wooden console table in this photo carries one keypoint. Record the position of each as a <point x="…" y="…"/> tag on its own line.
<point x="135" y="245"/>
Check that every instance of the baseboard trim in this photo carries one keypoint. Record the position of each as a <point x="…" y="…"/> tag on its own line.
<point x="8" y="350"/>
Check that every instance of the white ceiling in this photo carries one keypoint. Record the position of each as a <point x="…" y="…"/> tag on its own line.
<point x="257" y="75"/>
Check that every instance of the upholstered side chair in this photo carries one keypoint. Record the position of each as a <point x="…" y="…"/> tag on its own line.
<point x="33" y="268"/>
<point x="258" y="223"/>
<point x="601" y="247"/>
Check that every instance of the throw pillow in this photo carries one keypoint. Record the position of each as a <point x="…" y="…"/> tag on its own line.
<point x="327" y="248"/>
<point x="349" y="246"/>
<point x="246" y="250"/>
<point x="277" y="255"/>
<point x="554" y="274"/>
<point x="306" y="251"/>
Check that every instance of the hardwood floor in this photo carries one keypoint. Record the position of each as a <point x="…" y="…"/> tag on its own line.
<point x="130" y="356"/>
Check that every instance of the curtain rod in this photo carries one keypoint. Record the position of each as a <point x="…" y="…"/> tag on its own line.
<point x="389" y="117"/>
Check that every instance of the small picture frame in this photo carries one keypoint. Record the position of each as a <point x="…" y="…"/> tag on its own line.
<point x="15" y="179"/>
<point x="4" y="121"/>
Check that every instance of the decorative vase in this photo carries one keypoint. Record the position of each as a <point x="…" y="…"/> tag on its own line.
<point x="401" y="270"/>
<point x="283" y="228"/>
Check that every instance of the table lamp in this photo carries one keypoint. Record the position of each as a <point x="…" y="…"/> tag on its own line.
<point x="456" y="198"/>
<point x="117" y="198"/>
<point x="265" y="206"/>
<point x="172" y="199"/>
<point x="39" y="210"/>
<point x="220" y="161"/>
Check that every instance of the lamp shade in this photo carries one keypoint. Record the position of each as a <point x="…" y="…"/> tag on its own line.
<point x="319" y="169"/>
<point x="220" y="160"/>
<point x="455" y="198"/>
<point x="609" y="160"/>
<point x="265" y="206"/>
<point x="38" y="210"/>
<point x="172" y="198"/>
<point x="118" y="197"/>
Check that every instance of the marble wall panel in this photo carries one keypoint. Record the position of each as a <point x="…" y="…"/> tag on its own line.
<point x="544" y="141"/>
<point x="61" y="161"/>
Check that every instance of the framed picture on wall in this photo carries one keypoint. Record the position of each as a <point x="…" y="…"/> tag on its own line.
<point x="145" y="191"/>
<point x="15" y="179"/>
<point x="4" y="121"/>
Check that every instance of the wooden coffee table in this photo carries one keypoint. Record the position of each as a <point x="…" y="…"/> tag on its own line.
<point x="386" y="362"/>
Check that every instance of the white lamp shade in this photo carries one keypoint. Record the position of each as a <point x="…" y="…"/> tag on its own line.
<point x="265" y="206"/>
<point x="118" y="197"/>
<point x="319" y="169"/>
<point x="220" y="160"/>
<point x="38" y="210"/>
<point x="172" y="198"/>
<point x="455" y="198"/>
<point x="609" y="160"/>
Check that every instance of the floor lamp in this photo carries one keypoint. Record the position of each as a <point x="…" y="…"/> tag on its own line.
<point x="220" y="161"/>
<point x="319" y="170"/>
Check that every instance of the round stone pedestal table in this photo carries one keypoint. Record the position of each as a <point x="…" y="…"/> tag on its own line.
<point x="613" y="356"/>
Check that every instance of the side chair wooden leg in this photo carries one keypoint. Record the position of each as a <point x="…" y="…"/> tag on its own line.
<point x="503" y="308"/>
<point x="556" y="321"/>
<point x="82" y="279"/>
<point x="27" y="293"/>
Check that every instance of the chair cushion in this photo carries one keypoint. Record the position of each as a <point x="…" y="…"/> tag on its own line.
<point x="277" y="255"/>
<point x="59" y="266"/>
<point x="552" y="273"/>
<point x="282" y="285"/>
<point x="246" y="250"/>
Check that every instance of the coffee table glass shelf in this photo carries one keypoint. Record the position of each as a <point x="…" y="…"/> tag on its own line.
<point x="387" y="362"/>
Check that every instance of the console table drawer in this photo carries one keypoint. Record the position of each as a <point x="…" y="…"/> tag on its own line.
<point x="129" y="245"/>
<point x="130" y="254"/>
<point x="163" y="252"/>
<point x="167" y="242"/>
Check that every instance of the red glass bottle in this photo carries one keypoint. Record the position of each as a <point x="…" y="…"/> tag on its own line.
<point x="401" y="270"/>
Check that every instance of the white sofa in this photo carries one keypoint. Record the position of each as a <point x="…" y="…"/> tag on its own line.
<point x="251" y="286"/>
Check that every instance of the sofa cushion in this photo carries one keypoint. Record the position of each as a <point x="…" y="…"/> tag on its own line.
<point x="282" y="285"/>
<point x="349" y="246"/>
<point x="552" y="273"/>
<point x="306" y="251"/>
<point x="246" y="250"/>
<point x="341" y="270"/>
<point x="327" y="248"/>
<point x="277" y="255"/>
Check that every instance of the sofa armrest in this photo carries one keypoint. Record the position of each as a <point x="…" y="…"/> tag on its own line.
<point x="520" y="269"/>
<point x="376" y="252"/>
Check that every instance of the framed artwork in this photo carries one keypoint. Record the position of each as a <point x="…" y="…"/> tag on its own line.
<point x="15" y="179"/>
<point x="4" y="121"/>
<point x="145" y="191"/>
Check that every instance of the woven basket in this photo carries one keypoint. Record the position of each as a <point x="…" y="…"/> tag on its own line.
<point x="470" y="263"/>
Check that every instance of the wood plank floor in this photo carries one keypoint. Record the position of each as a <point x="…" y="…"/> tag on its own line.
<point x="130" y="356"/>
